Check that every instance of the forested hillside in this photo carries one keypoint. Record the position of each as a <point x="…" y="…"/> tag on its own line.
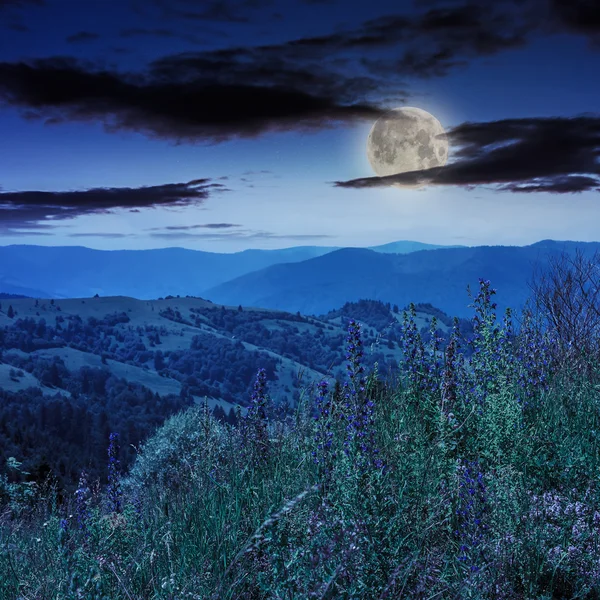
<point x="91" y="365"/>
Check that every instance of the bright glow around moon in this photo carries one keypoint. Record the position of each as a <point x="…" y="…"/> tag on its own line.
<point x="406" y="139"/>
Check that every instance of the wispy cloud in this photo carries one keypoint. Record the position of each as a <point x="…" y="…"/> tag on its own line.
<point x="195" y="11"/>
<point x="189" y="227"/>
<point x="242" y="234"/>
<point x="100" y="235"/>
<point x="558" y="155"/>
<point x="161" y="32"/>
<point x="146" y="31"/>
<point x="44" y="210"/>
<point x="12" y="13"/>
<point x="82" y="37"/>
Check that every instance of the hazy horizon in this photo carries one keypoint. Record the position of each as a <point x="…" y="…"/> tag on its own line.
<point x="366" y="247"/>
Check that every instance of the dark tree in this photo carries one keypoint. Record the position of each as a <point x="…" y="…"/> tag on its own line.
<point x="567" y="296"/>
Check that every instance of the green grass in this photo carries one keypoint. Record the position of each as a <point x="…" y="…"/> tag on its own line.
<point x="220" y="522"/>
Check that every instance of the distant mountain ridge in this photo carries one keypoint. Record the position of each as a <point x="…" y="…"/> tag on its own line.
<point x="77" y="271"/>
<point x="309" y="279"/>
<point x="439" y="277"/>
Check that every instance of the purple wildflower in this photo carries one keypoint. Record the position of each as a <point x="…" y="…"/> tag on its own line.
<point x="492" y="359"/>
<point x="450" y="376"/>
<point x="534" y="359"/>
<point x="413" y="350"/>
<point x="359" y="408"/>
<point x="471" y="516"/>
<point x="323" y="455"/>
<point x="254" y="429"/>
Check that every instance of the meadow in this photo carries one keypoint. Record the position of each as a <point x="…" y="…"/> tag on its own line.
<point x="458" y="478"/>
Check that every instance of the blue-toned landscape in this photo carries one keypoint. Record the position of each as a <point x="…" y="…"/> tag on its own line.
<point x="299" y="299"/>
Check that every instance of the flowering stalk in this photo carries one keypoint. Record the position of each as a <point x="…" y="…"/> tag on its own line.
<point x="355" y="384"/>
<point x="359" y="407"/>
<point x="413" y="350"/>
<point x="81" y="503"/>
<point x="323" y="454"/>
<point x="433" y="365"/>
<point x="255" y="432"/>
<point x="450" y="376"/>
<point x="492" y="362"/>
<point x="534" y="359"/>
<point x="471" y="516"/>
<point x="114" y="475"/>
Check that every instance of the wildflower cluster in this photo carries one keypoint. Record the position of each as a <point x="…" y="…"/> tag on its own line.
<point x="534" y="358"/>
<point x="568" y="532"/>
<point x="468" y="508"/>
<point x="492" y="359"/>
<point x="413" y="350"/>
<point x="255" y="433"/>
<point x="471" y="516"/>
<point x="422" y="363"/>
<point x="451" y="375"/>
<point x="359" y="407"/>
<point x="434" y="364"/>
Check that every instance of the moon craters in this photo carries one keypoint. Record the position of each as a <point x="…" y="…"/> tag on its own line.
<point x="406" y="139"/>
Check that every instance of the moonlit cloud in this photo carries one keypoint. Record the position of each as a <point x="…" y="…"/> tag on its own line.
<point x="557" y="155"/>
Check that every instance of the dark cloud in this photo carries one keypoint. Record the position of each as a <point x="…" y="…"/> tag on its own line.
<point x="82" y="36"/>
<point x="184" y="98"/>
<point x="444" y="38"/>
<point x="578" y="16"/>
<point x="557" y="155"/>
<point x="43" y="210"/>
<point x="581" y="17"/>
<point x="13" y="10"/>
<point x="305" y="84"/>
<point x="217" y="11"/>
<point x="121" y="50"/>
<point x="18" y="27"/>
<point x="160" y="32"/>
<point x="142" y="31"/>
<point x="257" y="4"/>
<point x="20" y="3"/>
<point x="296" y="70"/>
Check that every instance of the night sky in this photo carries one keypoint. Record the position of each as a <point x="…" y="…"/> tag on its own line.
<point x="222" y="126"/>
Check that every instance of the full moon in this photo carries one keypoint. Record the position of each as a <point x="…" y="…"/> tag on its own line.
<point x="406" y="139"/>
